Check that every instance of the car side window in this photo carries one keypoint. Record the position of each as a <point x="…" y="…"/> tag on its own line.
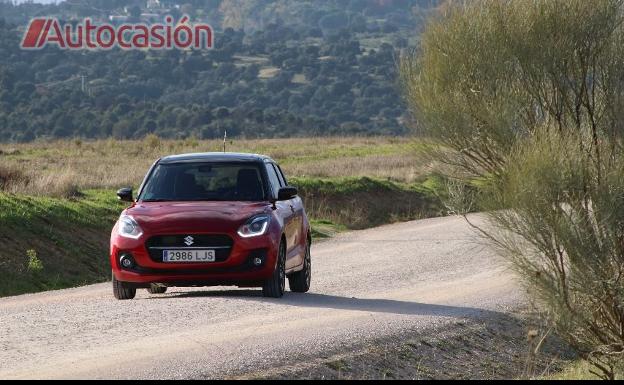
<point x="273" y="179"/>
<point x="279" y="176"/>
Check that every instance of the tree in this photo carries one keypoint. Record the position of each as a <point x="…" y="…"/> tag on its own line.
<point x="334" y="21"/>
<point x="135" y="12"/>
<point x="525" y="101"/>
<point x="125" y="84"/>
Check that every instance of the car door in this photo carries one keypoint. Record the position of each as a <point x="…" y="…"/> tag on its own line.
<point x="286" y="214"/>
<point x="296" y="207"/>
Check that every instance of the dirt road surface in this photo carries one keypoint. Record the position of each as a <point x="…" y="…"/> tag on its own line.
<point x="367" y="284"/>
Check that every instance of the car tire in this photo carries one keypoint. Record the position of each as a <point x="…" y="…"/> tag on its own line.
<point x="299" y="282"/>
<point x="155" y="289"/>
<point x="275" y="286"/>
<point x="121" y="291"/>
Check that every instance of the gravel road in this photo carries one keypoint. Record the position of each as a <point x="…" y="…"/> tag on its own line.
<point x="367" y="284"/>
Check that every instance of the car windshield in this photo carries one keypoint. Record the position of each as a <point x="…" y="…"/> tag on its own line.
<point x="204" y="182"/>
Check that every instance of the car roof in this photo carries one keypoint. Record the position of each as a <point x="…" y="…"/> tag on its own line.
<point x="214" y="157"/>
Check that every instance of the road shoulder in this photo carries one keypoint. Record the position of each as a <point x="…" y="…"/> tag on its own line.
<point x="499" y="347"/>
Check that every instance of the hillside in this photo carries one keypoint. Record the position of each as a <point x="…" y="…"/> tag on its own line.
<point x="279" y="69"/>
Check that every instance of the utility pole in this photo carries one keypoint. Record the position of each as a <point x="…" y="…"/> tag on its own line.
<point x="224" y="138"/>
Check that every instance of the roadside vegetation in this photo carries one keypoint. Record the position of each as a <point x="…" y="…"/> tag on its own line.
<point x="526" y="100"/>
<point x="489" y="348"/>
<point x="58" y="203"/>
<point x="577" y="370"/>
<point x="52" y="243"/>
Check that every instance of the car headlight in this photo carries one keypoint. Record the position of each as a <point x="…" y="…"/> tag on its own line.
<point x="255" y="226"/>
<point x="129" y="228"/>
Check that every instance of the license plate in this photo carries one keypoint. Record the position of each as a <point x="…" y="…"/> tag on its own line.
<point x="188" y="256"/>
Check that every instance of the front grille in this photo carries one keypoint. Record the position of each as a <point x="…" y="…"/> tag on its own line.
<point x="222" y="244"/>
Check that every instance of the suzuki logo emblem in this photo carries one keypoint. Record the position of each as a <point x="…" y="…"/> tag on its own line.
<point x="189" y="240"/>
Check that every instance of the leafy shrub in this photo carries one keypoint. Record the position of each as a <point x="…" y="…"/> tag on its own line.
<point x="564" y="233"/>
<point x="524" y="98"/>
<point x="34" y="263"/>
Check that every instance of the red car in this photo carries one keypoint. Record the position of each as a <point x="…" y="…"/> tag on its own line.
<point x="213" y="219"/>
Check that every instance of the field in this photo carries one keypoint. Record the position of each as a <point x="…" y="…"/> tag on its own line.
<point x="54" y="168"/>
<point x="58" y="204"/>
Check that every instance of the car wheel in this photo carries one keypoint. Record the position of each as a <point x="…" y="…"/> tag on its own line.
<point x="121" y="291"/>
<point x="276" y="285"/>
<point x="299" y="282"/>
<point x="155" y="289"/>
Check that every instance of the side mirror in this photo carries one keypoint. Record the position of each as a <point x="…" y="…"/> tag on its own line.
<point x="125" y="194"/>
<point x="286" y="193"/>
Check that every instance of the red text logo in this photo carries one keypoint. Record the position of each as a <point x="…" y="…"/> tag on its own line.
<point x="89" y="35"/>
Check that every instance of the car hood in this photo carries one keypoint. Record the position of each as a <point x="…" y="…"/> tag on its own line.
<point x="194" y="217"/>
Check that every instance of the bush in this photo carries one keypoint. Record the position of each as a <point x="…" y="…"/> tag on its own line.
<point x="34" y="263"/>
<point x="564" y="234"/>
<point x="525" y="100"/>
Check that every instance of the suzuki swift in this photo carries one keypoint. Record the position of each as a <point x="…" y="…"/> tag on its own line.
<point x="213" y="219"/>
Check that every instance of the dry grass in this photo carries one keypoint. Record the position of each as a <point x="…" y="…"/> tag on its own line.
<point x="11" y="176"/>
<point x="64" y="167"/>
<point x="61" y="184"/>
<point x="577" y="370"/>
<point x="400" y="168"/>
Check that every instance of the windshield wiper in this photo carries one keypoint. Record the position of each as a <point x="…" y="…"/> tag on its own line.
<point x="157" y="200"/>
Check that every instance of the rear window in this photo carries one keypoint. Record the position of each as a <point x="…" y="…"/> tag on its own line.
<point x="204" y="182"/>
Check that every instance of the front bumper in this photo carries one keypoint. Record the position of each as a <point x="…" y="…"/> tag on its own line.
<point x="236" y="269"/>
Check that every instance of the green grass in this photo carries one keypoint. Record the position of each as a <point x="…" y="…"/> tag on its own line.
<point x="65" y="239"/>
<point x="346" y="183"/>
<point x="322" y="228"/>
<point x="576" y="370"/>
<point x="52" y="243"/>
<point x="89" y="209"/>
<point x="580" y="370"/>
